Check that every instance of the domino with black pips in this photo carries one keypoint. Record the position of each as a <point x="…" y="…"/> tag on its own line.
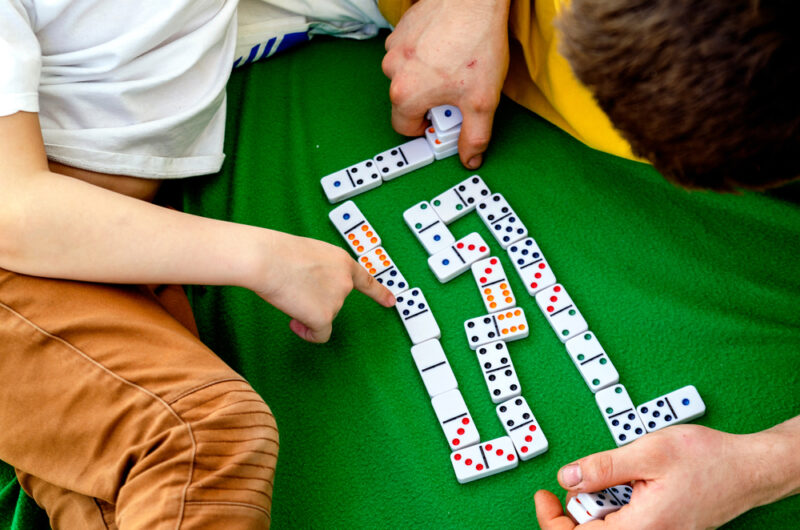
<point x="351" y="181"/>
<point x="619" y="414"/>
<point x="461" y="199"/>
<point x="679" y="406"/>
<point x="498" y="371"/>
<point x="505" y="325"/>
<point x="416" y="315"/>
<point x="502" y="221"/>
<point x="404" y="158"/>
<point x="586" y="507"/>
<point x="531" y="265"/>
<point x="523" y="429"/>
<point x="380" y="266"/>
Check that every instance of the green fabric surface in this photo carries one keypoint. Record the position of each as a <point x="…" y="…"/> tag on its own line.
<point x="680" y="288"/>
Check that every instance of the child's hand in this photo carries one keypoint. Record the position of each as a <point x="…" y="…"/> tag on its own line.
<point x="449" y="52"/>
<point x="309" y="280"/>
<point x="686" y="476"/>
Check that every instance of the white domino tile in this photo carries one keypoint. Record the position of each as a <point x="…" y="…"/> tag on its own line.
<point x="586" y="507"/>
<point x="354" y="228"/>
<point x="381" y="267"/>
<point x="592" y="361"/>
<point x="455" y="419"/>
<point x="483" y="460"/>
<point x="619" y="414"/>
<point x="351" y="181"/>
<point x="441" y="148"/>
<point x="561" y="312"/>
<point x="429" y="229"/>
<point x="498" y="371"/>
<point x="417" y="316"/>
<point x="445" y="117"/>
<point x="679" y="406"/>
<point x="461" y="199"/>
<point x="523" y="429"/>
<point x="432" y="134"/>
<point x="502" y="221"/>
<point x="531" y="266"/>
<point x="433" y="367"/>
<point x="458" y="257"/>
<point x="404" y="158"/>
<point x="505" y="325"/>
<point x="493" y="284"/>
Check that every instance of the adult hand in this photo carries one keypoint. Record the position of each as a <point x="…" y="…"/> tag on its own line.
<point x="449" y="52"/>
<point x="685" y="476"/>
<point x="309" y="281"/>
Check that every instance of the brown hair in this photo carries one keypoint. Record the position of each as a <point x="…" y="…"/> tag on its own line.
<point x="708" y="91"/>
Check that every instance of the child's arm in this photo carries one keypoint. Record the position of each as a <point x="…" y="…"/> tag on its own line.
<point x="61" y="227"/>
<point x="687" y="476"/>
<point x="449" y="52"/>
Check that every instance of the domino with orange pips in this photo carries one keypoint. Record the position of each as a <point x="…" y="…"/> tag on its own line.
<point x="493" y="284"/>
<point x="354" y="228"/>
<point x="381" y="267"/>
<point x="506" y="325"/>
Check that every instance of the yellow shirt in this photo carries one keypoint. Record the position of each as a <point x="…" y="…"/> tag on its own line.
<point x="540" y="79"/>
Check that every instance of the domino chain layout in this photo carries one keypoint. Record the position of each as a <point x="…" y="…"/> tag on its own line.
<point x="488" y="334"/>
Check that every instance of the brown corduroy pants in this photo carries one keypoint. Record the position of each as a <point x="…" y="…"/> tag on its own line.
<point x="115" y="415"/>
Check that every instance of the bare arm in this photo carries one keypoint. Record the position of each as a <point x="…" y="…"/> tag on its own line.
<point x="61" y="227"/>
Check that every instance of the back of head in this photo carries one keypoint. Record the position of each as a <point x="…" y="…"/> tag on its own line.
<point x="707" y="91"/>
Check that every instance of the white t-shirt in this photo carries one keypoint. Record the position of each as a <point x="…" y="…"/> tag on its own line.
<point x="132" y="87"/>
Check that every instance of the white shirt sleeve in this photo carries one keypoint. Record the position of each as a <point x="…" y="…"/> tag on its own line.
<point x="20" y="60"/>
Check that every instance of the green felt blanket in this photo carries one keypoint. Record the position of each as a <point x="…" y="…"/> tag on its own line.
<point x="680" y="288"/>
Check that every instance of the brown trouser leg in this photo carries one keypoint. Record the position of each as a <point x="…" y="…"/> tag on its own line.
<point x="115" y="415"/>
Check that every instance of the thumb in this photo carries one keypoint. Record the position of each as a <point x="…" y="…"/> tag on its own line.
<point x="603" y="470"/>
<point x="476" y="131"/>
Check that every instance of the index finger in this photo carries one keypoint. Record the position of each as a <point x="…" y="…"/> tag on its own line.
<point x="363" y="282"/>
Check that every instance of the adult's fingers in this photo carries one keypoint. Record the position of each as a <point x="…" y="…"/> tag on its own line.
<point x="549" y="512"/>
<point x="476" y="131"/>
<point x="608" y="468"/>
<point x="363" y="282"/>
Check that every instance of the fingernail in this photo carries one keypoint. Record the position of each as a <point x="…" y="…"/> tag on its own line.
<point x="474" y="162"/>
<point x="571" y="475"/>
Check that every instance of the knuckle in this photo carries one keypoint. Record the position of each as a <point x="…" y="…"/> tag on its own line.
<point x="386" y="65"/>
<point x="477" y="142"/>
<point x="483" y="101"/>
<point x="399" y="91"/>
